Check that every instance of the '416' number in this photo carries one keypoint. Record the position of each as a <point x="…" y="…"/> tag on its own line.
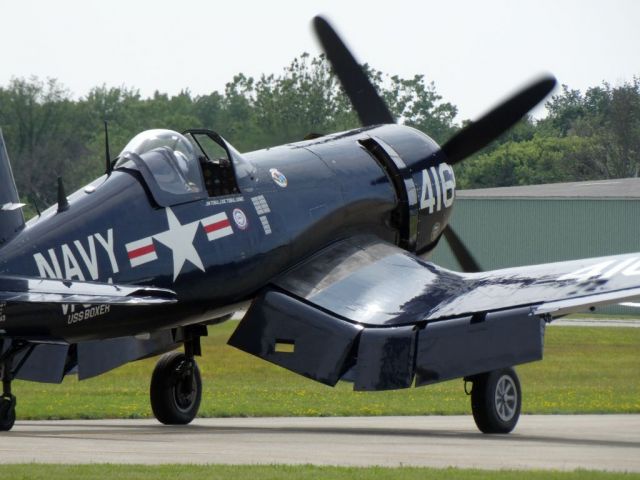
<point x="438" y="188"/>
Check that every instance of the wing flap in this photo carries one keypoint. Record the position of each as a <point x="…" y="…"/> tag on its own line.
<point x="297" y="336"/>
<point x="468" y="346"/>
<point x="50" y="363"/>
<point x="321" y="346"/>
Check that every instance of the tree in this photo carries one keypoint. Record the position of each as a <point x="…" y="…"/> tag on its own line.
<point x="416" y="103"/>
<point x="585" y="136"/>
<point x="41" y="133"/>
<point x="543" y="159"/>
<point x="610" y="116"/>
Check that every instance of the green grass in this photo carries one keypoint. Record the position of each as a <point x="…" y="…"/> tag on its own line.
<point x="240" y="472"/>
<point x="586" y="370"/>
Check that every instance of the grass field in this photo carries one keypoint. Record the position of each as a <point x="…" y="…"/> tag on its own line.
<point x="586" y="370"/>
<point x="268" y="472"/>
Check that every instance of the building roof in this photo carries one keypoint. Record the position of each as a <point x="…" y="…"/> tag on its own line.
<point x="621" y="188"/>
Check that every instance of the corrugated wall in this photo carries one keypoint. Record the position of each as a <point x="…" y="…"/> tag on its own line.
<point x="510" y="232"/>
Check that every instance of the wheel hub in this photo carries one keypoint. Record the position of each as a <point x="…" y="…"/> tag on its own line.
<point x="185" y="390"/>
<point x="506" y="398"/>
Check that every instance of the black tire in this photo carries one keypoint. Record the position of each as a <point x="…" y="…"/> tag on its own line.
<point x="176" y="389"/>
<point x="7" y="413"/>
<point x="496" y="400"/>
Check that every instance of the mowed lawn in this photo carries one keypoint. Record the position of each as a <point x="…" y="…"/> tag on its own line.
<point x="284" y="472"/>
<point x="585" y="370"/>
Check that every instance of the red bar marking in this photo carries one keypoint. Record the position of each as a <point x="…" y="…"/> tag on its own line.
<point x="138" y="252"/>
<point x="217" y="226"/>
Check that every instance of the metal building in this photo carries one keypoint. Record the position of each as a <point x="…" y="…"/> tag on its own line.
<point x="511" y="226"/>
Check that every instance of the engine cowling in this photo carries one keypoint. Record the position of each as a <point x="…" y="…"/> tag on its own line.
<point x="425" y="194"/>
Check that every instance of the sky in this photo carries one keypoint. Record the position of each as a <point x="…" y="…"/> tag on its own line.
<point x="476" y="51"/>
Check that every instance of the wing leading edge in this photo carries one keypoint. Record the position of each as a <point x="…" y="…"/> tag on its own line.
<point x="369" y="311"/>
<point x="376" y="284"/>
<point x="38" y="290"/>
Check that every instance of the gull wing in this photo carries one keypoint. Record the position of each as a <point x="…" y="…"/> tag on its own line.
<point x="370" y="311"/>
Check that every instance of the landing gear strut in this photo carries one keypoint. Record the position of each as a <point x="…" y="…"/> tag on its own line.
<point x="7" y="372"/>
<point x="176" y="386"/>
<point x="496" y="400"/>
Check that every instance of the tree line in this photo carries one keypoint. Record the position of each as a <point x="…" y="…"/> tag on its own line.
<point x="585" y="136"/>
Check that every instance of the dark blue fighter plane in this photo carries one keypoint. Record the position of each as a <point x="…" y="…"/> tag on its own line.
<point x="323" y="241"/>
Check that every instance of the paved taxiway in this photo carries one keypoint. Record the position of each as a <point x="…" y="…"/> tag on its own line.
<point x="603" y="442"/>
<point x="596" y="322"/>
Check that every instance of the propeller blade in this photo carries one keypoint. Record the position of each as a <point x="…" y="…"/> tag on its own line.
<point x="460" y="251"/>
<point x="370" y="108"/>
<point x="482" y="132"/>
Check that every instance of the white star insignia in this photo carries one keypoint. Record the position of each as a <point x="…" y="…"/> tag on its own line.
<point x="179" y="238"/>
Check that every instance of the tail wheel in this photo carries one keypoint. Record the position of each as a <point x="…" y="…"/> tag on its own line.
<point x="176" y="389"/>
<point x="496" y="400"/>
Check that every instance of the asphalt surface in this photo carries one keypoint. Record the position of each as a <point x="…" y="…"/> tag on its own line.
<point x="563" y="442"/>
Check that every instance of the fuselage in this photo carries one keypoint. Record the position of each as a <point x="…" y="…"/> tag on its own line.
<point x="218" y="251"/>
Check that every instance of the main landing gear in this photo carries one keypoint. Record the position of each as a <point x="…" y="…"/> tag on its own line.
<point x="7" y="408"/>
<point x="7" y="373"/>
<point x="176" y="386"/>
<point x="496" y="400"/>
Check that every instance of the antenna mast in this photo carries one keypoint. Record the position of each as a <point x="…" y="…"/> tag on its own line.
<point x="109" y="166"/>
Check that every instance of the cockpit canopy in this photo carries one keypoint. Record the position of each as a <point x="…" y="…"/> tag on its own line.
<point x="179" y="168"/>
<point x="158" y="138"/>
<point x="170" y="157"/>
